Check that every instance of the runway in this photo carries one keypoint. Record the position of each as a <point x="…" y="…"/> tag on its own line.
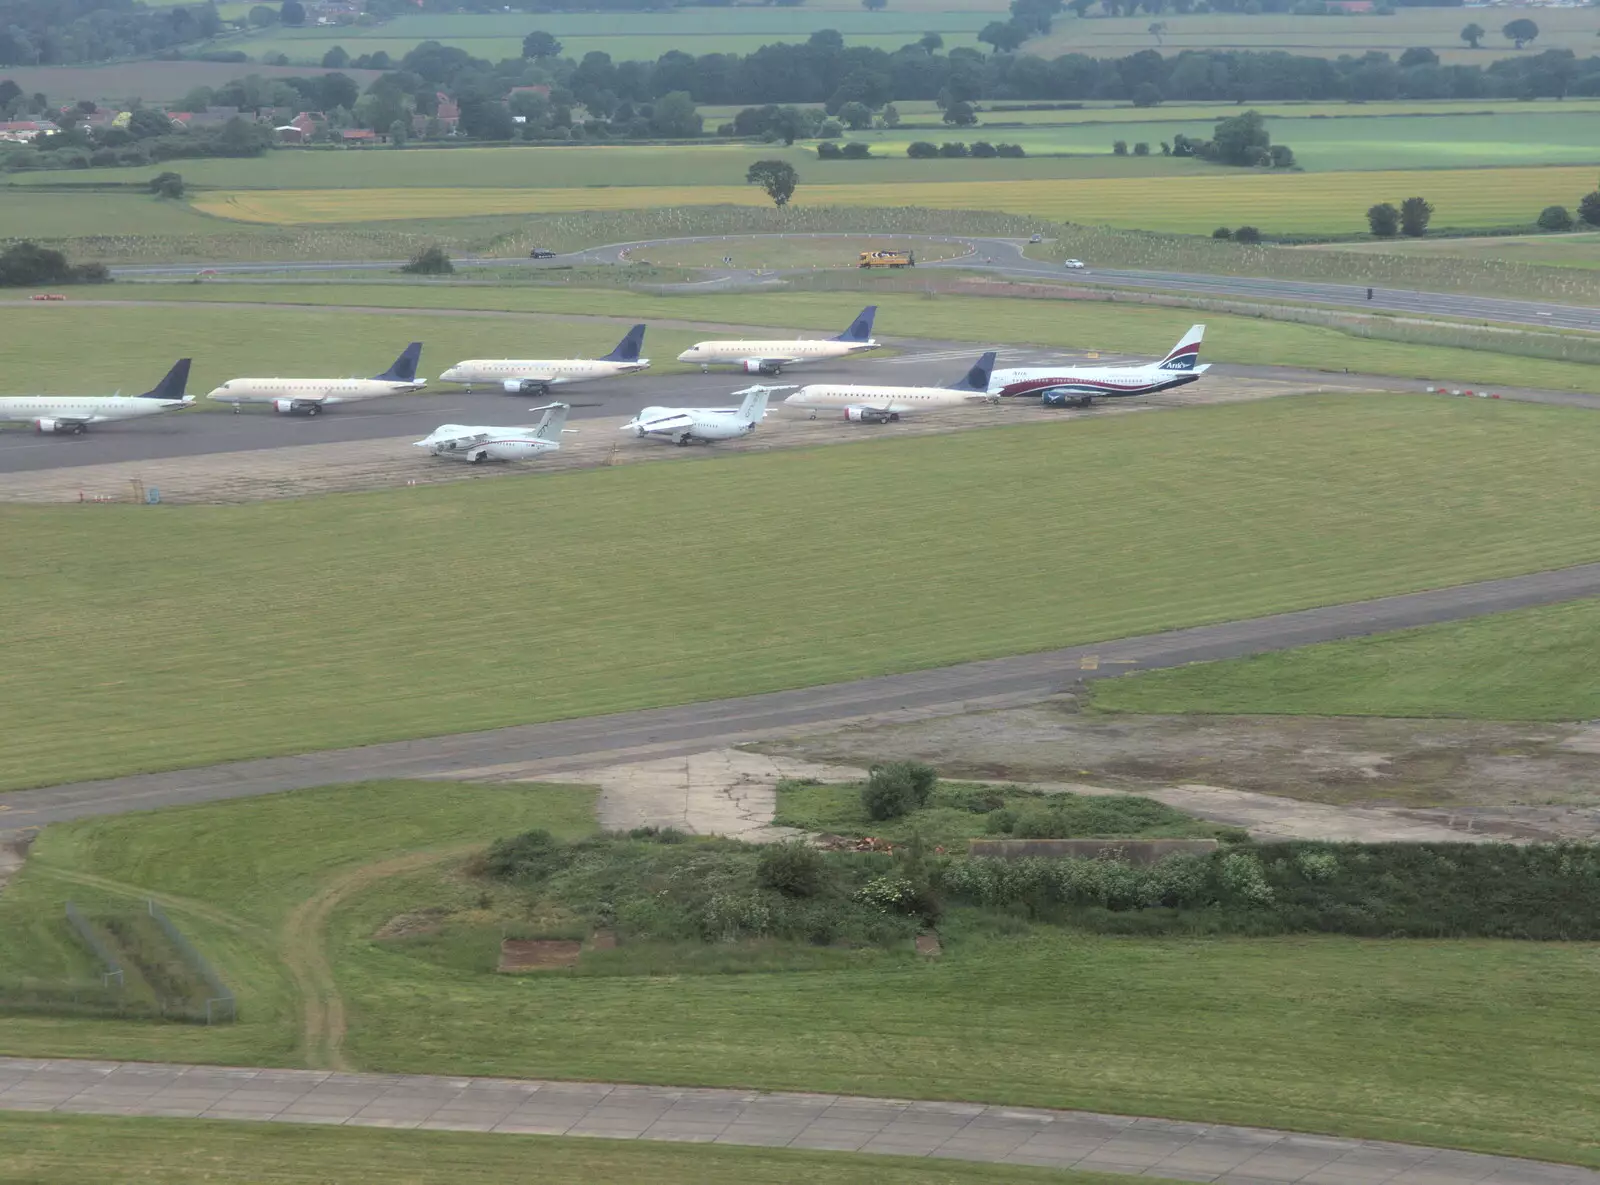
<point x="1005" y="256"/>
<point x="545" y="750"/>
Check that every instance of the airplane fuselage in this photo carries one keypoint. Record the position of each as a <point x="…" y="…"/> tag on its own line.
<point x="63" y="413"/>
<point x="464" y="442"/>
<point x="693" y="424"/>
<point x="769" y="357"/>
<point x="1081" y="385"/>
<point x="522" y="376"/>
<point x="879" y="402"/>
<point x="309" y="395"/>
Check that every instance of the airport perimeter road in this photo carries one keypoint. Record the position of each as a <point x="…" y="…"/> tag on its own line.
<point x="1006" y="256"/>
<point x="542" y="750"/>
<point x="840" y="1123"/>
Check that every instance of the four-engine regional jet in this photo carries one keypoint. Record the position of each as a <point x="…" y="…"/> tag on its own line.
<point x="532" y="376"/>
<point x="1079" y="386"/>
<point x="74" y="413"/>
<point x="689" y="424"/>
<point x="770" y="357"/>
<point x="879" y="405"/>
<point x="310" y="396"/>
<point x="477" y="444"/>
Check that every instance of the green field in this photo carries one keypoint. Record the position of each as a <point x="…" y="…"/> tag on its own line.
<point x="1579" y="250"/>
<point x="71" y="1149"/>
<point x="1118" y="327"/>
<point x="319" y="621"/>
<point x="1475" y="1043"/>
<point x="778" y="251"/>
<point x="54" y="215"/>
<point x="1536" y="664"/>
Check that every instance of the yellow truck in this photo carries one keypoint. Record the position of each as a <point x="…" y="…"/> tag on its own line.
<point x="888" y="259"/>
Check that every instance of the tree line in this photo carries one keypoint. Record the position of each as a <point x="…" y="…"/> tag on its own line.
<point x="63" y="32"/>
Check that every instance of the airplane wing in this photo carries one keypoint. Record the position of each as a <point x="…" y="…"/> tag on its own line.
<point x="676" y="422"/>
<point x="465" y="440"/>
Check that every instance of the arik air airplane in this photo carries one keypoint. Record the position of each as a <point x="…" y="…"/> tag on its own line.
<point x="310" y="396"/>
<point x="770" y="357"/>
<point x="478" y="444"/>
<point x="880" y="405"/>
<point x="74" y="413"/>
<point x="1075" y="386"/>
<point x="705" y="424"/>
<point x="534" y="376"/>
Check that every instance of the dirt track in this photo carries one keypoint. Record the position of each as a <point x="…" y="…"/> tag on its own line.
<point x="298" y="471"/>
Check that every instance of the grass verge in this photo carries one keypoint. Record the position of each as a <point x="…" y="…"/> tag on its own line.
<point x="1534" y="664"/>
<point x="353" y="619"/>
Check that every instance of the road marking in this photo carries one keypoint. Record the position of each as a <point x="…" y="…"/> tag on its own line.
<point x="1093" y="662"/>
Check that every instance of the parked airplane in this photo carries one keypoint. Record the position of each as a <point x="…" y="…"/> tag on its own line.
<point x="878" y="405"/>
<point x="477" y="444"/>
<point x="310" y="396"/>
<point x="770" y="357"/>
<point x="532" y="376"/>
<point x="689" y="424"/>
<point x="1079" y="386"/>
<point x="74" y="413"/>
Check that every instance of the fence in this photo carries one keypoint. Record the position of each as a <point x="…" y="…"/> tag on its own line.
<point x="112" y="969"/>
<point x="221" y="1006"/>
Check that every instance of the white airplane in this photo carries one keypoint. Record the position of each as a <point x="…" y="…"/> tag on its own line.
<point x="533" y="376"/>
<point x="706" y="424"/>
<point x="1079" y="386"/>
<point x="478" y="444"/>
<point x="770" y="357"/>
<point x="880" y="405"/>
<point x="74" y="413"/>
<point x="310" y="396"/>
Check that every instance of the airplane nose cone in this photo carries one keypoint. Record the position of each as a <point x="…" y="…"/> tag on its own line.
<point x="686" y="356"/>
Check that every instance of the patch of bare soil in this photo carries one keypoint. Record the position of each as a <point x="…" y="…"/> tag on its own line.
<point x="1523" y="779"/>
<point x="537" y="954"/>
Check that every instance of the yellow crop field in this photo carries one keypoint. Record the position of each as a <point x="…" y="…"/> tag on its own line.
<point x="1304" y="203"/>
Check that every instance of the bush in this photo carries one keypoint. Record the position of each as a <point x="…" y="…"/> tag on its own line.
<point x="828" y="150"/>
<point x="1247" y="234"/>
<point x="856" y="150"/>
<point x="1119" y="148"/>
<point x="921" y="150"/>
<point x="984" y="149"/>
<point x="1011" y="150"/>
<point x="1589" y="208"/>
<point x="793" y="868"/>
<point x="1383" y="220"/>
<point x="897" y="789"/>
<point x="1141" y="149"/>
<point x="530" y="857"/>
<point x="1222" y="232"/>
<point x="953" y="149"/>
<point x="1415" y="213"/>
<point x="1555" y="218"/>
<point x="430" y="261"/>
<point x="167" y="185"/>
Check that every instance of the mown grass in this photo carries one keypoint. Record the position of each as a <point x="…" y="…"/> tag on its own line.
<point x="1534" y="664"/>
<point x="1277" y="203"/>
<point x="1125" y="328"/>
<point x="70" y="1149"/>
<point x="346" y="620"/>
<point x="1580" y="250"/>
<point x="1474" y="1044"/>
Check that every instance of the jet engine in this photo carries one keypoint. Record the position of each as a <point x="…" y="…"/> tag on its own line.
<point x="48" y="425"/>
<point x="526" y="387"/>
<point x="759" y="366"/>
<point x="289" y="407"/>
<point x="867" y="415"/>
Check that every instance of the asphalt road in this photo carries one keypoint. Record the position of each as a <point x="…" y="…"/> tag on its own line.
<point x="538" y="750"/>
<point x="1005" y="256"/>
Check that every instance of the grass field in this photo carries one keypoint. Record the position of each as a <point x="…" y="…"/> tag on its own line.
<point x="1536" y="664"/>
<point x="70" y="1149"/>
<point x="52" y="215"/>
<point x="1479" y="1044"/>
<point x="1580" y="250"/>
<point x="1286" y="203"/>
<point x="1206" y="515"/>
<point x="795" y="252"/>
<point x="1112" y="326"/>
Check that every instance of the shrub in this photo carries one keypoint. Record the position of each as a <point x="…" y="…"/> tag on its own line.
<point x="984" y="149"/>
<point x="1240" y="875"/>
<point x="953" y="149"/>
<point x="167" y="185"/>
<point x="1141" y="149"/>
<point x="1383" y="220"/>
<point x="921" y="150"/>
<point x="430" y="261"/>
<point x="1119" y="148"/>
<point x="1247" y="234"/>
<point x="828" y="150"/>
<point x="889" y="792"/>
<point x="531" y="856"/>
<point x="1222" y="232"/>
<point x="856" y="150"/>
<point x="1589" y="208"/>
<point x="1415" y="213"/>
<point x="794" y="868"/>
<point x="1011" y="150"/>
<point x="1555" y="218"/>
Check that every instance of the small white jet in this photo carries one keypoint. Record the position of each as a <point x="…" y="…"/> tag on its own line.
<point x="73" y="413"/>
<point x="1079" y="386"/>
<point x="534" y="376"/>
<point x="310" y="396"/>
<point x="477" y="444"/>
<point x="705" y="424"/>
<point x="885" y="405"/>
<point x="770" y="357"/>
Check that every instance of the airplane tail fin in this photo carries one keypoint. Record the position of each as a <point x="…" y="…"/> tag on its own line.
<point x="628" y="348"/>
<point x="977" y="379"/>
<point x="404" y="369"/>
<point x="171" y="387"/>
<point x="861" y="328"/>
<point x="552" y="422"/>
<point x="1186" y="353"/>
<point x="754" y="406"/>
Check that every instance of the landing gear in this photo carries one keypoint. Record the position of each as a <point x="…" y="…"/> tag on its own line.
<point x="894" y="417"/>
<point x="313" y="410"/>
<point x="77" y="429"/>
<point x="812" y="416"/>
<point x="478" y="458"/>
<point x="685" y="440"/>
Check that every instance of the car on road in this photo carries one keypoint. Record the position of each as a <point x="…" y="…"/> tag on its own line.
<point x="47" y="296"/>
<point x="541" y="253"/>
<point x="1037" y="238"/>
<point x="1075" y="264"/>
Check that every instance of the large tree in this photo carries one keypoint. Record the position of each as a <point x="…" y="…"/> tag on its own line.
<point x="539" y="44"/>
<point x="1384" y="220"/>
<point x="1520" y="31"/>
<point x="777" y="177"/>
<point x="1473" y="34"/>
<point x="1414" y="215"/>
<point x="1589" y="208"/>
<point x="1242" y="140"/>
<point x="675" y="118"/>
<point x="292" y="12"/>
